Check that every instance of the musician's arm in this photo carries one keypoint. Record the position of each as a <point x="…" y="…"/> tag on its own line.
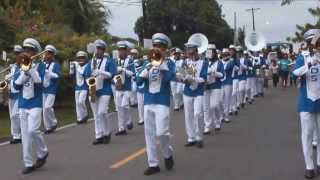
<point x="169" y="71"/>
<point x="300" y="67"/>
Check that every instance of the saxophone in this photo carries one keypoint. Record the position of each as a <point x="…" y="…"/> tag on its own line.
<point x="92" y="81"/>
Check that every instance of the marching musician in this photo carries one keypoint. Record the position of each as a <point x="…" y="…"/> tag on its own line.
<point x="50" y="84"/>
<point x="227" y="84"/>
<point x="235" y="79"/>
<point x="193" y="94"/>
<point x="156" y="79"/>
<point x="81" y="88"/>
<point x="134" y="54"/>
<point x="30" y="83"/>
<point x="122" y="81"/>
<point x="250" y="79"/>
<point x="242" y="74"/>
<point x="176" y="86"/>
<point x="102" y="69"/>
<point x="212" y="93"/>
<point x="139" y="66"/>
<point x="308" y="69"/>
<point x="13" y="98"/>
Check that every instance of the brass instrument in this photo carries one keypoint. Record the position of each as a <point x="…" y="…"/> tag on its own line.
<point x="117" y="79"/>
<point x="255" y="41"/>
<point x="92" y="81"/>
<point x="26" y="61"/>
<point x="156" y="57"/>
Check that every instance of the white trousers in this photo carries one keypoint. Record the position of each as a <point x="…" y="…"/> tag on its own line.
<point x="30" y="124"/>
<point x="113" y="88"/>
<point x="14" y="118"/>
<point x="259" y="84"/>
<point x="123" y="103"/>
<point x="140" y="106"/>
<point x="211" y="108"/>
<point x="242" y="91"/>
<point x="133" y="95"/>
<point x="49" y="117"/>
<point x="100" y="114"/>
<point x="310" y="122"/>
<point x="157" y="122"/>
<point x="227" y="97"/>
<point x="177" y="92"/>
<point x="193" y="109"/>
<point x="81" y="108"/>
<point x="235" y="94"/>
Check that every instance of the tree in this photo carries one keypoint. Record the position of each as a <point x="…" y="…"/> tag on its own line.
<point x="181" y="18"/>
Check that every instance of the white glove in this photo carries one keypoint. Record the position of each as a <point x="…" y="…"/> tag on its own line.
<point x="119" y="69"/>
<point x="148" y="66"/>
<point x="164" y="67"/>
<point x="34" y="75"/>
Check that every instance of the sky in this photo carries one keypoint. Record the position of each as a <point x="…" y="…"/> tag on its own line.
<point x="274" y="21"/>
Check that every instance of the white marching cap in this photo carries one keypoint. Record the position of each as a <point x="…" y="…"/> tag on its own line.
<point x="178" y="50"/>
<point x="32" y="43"/>
<point x="51" y="48"/>
<point x="122" y="45"/>
<point x="232" y="46"/>
<point x="310" y="34"/>
<point x="160" y="38"/>
<point x="17" y="49"/>
<point x="211" y="46"/>
<point x="100" y="44"/>
<point x="225" y="50"/>
<point x="134" y="51"/>
<point x="81" y="54"/>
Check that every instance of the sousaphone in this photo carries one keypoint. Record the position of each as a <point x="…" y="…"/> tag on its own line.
<point x="255" y="41"/>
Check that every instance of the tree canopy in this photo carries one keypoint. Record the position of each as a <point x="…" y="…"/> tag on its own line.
<point x="181" y="18"/>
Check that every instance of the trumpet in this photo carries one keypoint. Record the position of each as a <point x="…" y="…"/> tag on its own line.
<point x="26" y="61"/>
<point x="156" y="57"/>
<point x="92" y="81"/>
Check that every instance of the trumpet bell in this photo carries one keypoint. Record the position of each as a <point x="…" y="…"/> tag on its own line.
<point x="200" y="40"/>
<point x="91" y="81"/>
<point x="3" y="85"/>
<point x="255" y="41"/>
<point x="156" y="57"/>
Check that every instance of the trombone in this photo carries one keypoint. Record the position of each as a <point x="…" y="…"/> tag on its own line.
<point x="26" y="61"/>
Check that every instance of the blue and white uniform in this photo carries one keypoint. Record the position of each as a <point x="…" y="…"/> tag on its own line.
<point x="50" y="86"/>
<point x="308" y="69"/>
<point x="213" y="95"/>
<point x="235" y="85"/>
<point x="105" y="70"/>
<point x="250" y="81"/>
<point x="126" y="71"/>
<point x="242" y="75"/>
<point x="30" y="85"/>
<point x="177" y="87"/>
<point x="13" y="103"/>
<point x="193" y="98"/>
<point x="227" y="88"/>
<point x="156" y="82"/>
<point x="81" y="90"/>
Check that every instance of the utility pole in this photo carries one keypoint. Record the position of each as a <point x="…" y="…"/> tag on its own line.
<point x="235" y="33"/>
<point x="253" y="10"/>
<point x="144" y="18"/>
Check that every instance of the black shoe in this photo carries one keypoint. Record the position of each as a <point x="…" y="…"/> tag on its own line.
<point x="151" y="170"/>
<point x="141" y="123"/>
<point x="169" y="163"/>
<point x="176" y="109"/>
<point x="84" y="120"/>
<point x="189" y="144"/>
<point x="242" y="105"/>
<point x="107" y="139"/>
<point x="309" y="174"/>
<point x="98" y="141"/>
<point x="230" y="114"/>
<point x="130" y="126"/>
<point x="28" y="170"/>
<point x="200" y="144"/>
<point x="262" y="94"/>
<point x="121" y="133"/>
<point x="217" y="129"/>
<point x="207" y="132"/>
<point x="238" y="108"/>
<point x="41" y="161"/>
<point x="236" y="113"/>
<point x="318" y="169"/>
<point x="51" y="130"/>
<point x="15" y="141"/>
<point x="250" y="102"/>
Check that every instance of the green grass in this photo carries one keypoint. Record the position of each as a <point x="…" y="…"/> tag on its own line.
<point x="65" y="113"/>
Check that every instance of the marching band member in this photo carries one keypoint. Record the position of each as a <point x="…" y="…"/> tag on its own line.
<point x="29" y="82"/>
<point x="250" y="80"/>
<point x="243" y="77"/>
<point x="212" y="93"/>
<point x="81" y="88"/>
<point x="193" y="94"/>
<point x="308" y="69"/>
<point x="235" y="80"/>
<point x="139" y="66"/>
<point x="177" y="87"/>
<point x="133" y="97"/>
<point x="156" y="79"/>
<point x="102" y="68"/>
<point x="13" y="99"/>
<point x="125" y="71"/>
<point x="50" y="84"/>
<point x="227" y="84"/>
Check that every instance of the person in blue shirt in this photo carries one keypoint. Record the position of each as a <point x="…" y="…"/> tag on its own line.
<point x="284" y="69"/>
<point x="123" y="84"/>
<point x="196" y="75"/>
<point x="228" y="66"/>
<point x="139" y="66"/>
<point x="176" y="86"/>
<point x="81" y="88"/>
<point x="235" y="80"/>
<point x="134" y="54"/>
<point x="250" y="80"/>
<point x="29" y="82"/>
<point x="308" y="69"/>
<point x="242" y="74"/>
<point x="156" y="79"/>
<point x="103" y="69"/>
<point x="212" y="93"/>
<point x="13" y="98"/>
<point x="50" y="86"/>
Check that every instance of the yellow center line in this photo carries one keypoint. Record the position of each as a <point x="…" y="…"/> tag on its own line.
<point x="128" y="159"/>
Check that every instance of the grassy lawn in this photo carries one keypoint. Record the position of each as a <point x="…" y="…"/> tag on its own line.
<point x="65" y="113"/>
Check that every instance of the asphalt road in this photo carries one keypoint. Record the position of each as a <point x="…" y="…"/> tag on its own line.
<point x="261" y="143"/>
